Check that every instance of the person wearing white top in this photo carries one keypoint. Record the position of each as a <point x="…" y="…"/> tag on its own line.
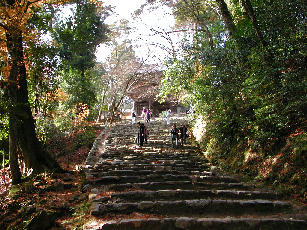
<point x="168" y="117"/>
<point x="133" y="117"/>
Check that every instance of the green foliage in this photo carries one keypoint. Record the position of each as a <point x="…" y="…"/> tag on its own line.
<point x="85" y="137"/>
<point x="52" y="133"/>
<point x="163" y="114"/>
<point x="81" y="212"/>
<point x="43" y="79"/>
<point x="41" y="18"/>
<point x="4" y="126"/>
<point x="79" y="36"/>
<point x="251" y="93"/>
<point x="15" y="190"/>
<point x="61" y="137"/>
<point x="62" y="85"/>
<point x="4" y="129"/>
<point x="98" y="86"/>
<point x="79" y="87"/>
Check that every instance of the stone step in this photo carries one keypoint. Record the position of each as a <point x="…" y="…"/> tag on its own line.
<point x="120" y="165"/>
<point x="137" y="149"/>
<point x="188" y="194"/>
<point x="133" y="148"/>
<point x="193" y="169"/>
<point x="135" y="172"/>
<point x="152" y="135"/>
<point x="154" y="166"/>
<point x="192" y="207"/>
<point x="188" y="223"/>
<point x="172" y="185"/>
<point x="159" y="187"/>
<point x="158" y="161"/>
<point x="152" y="153"/>
<point x="126" y="136"/>
<point x="159" y="178"/>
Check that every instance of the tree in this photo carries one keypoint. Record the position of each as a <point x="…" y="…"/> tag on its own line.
<point x="13" y="20"/>
<point x="122" y="68"/>
<point x="247" y="6"/>
<point x="230" y="25"/>
<point x="119" y="72"/>
<point x="15" y="33"/>
<point x="197" y="11"/>
<point x="3" y="129"/>
<point x="78" y="38"/>
<point x="250" y="89"/>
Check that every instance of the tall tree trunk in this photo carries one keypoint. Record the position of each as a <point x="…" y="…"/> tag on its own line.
<point x="13" y="155"/>
<point x="20" y="112"/>
<point x="226" y="17"/>
<point x="247" y="6"/>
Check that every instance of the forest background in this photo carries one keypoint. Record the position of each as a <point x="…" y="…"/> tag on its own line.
<point x="240" y="66"/>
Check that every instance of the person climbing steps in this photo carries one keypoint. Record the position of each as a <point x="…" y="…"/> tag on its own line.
<point x="174" y="136"/>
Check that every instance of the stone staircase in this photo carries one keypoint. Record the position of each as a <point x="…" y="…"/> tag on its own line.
<point x="160" y="187"/>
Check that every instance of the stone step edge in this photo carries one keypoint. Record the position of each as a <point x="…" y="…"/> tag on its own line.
<point x="97" y="148"/>
<point x="199" y="206"/>
<point x="147" y="172"/>
<point x="104" y="188"/>
<point x="201" y="223"/>
<point x="180" y="193"/>
<point x="157" y="177"/>
<point x="156" y="155"/>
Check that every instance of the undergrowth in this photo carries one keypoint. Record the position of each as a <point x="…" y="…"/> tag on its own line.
<point x="284" y="167"/>
<point x="55" y="199"/>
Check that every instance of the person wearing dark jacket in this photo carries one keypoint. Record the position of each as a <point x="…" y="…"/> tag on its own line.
<point x="141" y="133"/>
<point x="174" y="136"/>
<point x="183" y="134"/>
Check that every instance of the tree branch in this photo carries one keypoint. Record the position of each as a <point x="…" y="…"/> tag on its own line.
<point x="166" y="36"/>
<point x="184" y="30"/>
<point x="194" y="9"/>
<point x="3" y="26"/>
<point x="247" y="6"/>
<point x="29" y="3"/>
<point x="226" y="17"/>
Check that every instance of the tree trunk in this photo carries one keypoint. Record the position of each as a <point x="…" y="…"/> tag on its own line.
<point x="13" y="157"/>
<point x="226" y="17"/>
<point x="204" y="26"/>
<point x="247" y="6"/>
<point x="20" y="112"/>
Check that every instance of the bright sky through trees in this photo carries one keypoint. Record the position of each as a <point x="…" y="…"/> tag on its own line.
<point x="145" y="40"/>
